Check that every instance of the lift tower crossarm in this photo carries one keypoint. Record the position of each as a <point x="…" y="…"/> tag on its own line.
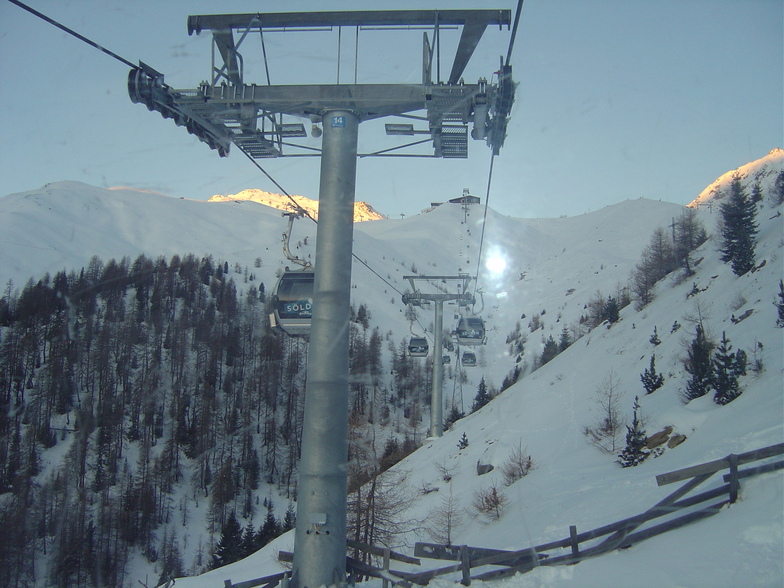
<point x="474" y="23"/>
<point x="359" y="18"/>
<point x="368" y="100"/>
<point x="464" y="297"/>
<point x="251" y="116"/>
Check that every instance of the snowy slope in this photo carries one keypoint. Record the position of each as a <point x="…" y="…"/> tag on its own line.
<point x="574" y="484"/>
<point x="62" y="225"/>
<point x="554" y="265"/>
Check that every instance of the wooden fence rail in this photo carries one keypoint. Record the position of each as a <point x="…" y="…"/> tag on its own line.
<point x="267" y="582"/>
<point x="617" y="535"/>
<point x="621" y="534"/>
<point x="359" y="568"/>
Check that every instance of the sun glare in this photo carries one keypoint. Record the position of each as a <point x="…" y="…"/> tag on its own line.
<point x="496" y="264"/>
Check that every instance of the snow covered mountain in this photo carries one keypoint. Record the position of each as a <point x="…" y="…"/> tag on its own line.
<point x="762" y="172"/>
<point x="362" y="210"/>
<point x="554" y="267"/>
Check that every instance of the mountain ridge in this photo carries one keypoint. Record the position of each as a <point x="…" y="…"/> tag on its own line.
<point x="362" y="210"/>
<point x="762" y="171"/>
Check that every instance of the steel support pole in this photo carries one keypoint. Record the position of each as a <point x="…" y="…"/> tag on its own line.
<point x="436" y="400"/>
<point x="320" y="535"/>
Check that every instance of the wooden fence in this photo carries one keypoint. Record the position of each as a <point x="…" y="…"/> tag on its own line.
<point x="679" y="509"/>
<point x="621" y="534"/>
<point x="357" y="569"/>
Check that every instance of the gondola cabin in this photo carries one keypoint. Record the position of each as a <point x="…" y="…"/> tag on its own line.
<point x="470" y="331"/>
<point x="292" y="302"/>
<point x="417" y="347"/>
<point x="469" y="359"/>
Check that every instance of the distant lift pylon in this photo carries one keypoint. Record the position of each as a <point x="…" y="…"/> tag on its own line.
<point x="462" y="297"/>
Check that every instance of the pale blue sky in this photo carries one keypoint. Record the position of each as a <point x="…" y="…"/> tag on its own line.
<point x="617" y="99"/>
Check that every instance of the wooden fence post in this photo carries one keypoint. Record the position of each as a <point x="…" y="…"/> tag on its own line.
<point x="465" y="561"/>
<point x="574" y="543"/>
<point x="734" y="482"/>
<point x="385" y="581"/>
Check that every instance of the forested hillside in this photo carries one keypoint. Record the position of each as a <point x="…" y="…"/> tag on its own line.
<point x="144" y="398"/>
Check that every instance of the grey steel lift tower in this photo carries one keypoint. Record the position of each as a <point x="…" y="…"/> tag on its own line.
<point x="226" y="110"/>
<point x="415" y="298"/>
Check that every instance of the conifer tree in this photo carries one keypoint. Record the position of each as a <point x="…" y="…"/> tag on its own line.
<point x="654" y="340"/>
<point x="756" y="193"/>
<point x="611" y="310"/>
<point x="269" y="529"/>
<point x="643" y="285"/>
<point x="550" y="350"/>
<point x="777" y="193"/>
<point x="698" y="364"/>
<point x="657" y="260"/>
<point x="171" y="560"/>
<point x="635" y="452"/>
<point x="248" y="544"/>
<point x="780" y="305"/>
<point x="363" y="316"/>
<point x="290" y="518"/>
<point x="688" y="234"/>
<point x="738" y="229"/>
<point x="509" y="380"/>
<point x="727" y="368"/>
<point x="454" y="415"/>
<point x="230" y="544"/>
<point x="482" y="396"/>
<point x="651" y="381"/>
<point x="565" y="340"/>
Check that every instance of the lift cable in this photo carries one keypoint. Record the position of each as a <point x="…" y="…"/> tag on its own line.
<point x="514" y="31"/>
<point x="72" y="32"/>
<point x="307" y="214"/>
<point x="264" y="53"/>
<point x="299" y="209"/>
<point x="484" y="223"/>
<point x="133" y="66"/>
<point x="492" y="157"/>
